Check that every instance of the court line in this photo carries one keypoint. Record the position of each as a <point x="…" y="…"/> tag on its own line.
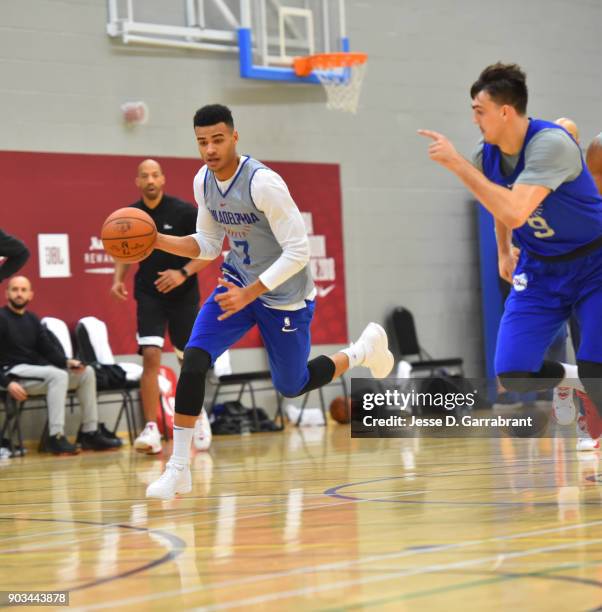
<point x="347" y="499"/>
<point x="177" y="515"/>
<point x="181" y="515"/>
<point x="298" y="462"/>
<point x="177" y="548"/>
<point x="334" y="492"/>
<point x="496" y="577"/>
<point x="303" y="591"/>
<point x="470" y="468"/>
<point x="341" y="565"/>
<point x="185" y="515"/>
<point x="330" y="505"/>
<point x="413" y="476"/>
<point x="45" y="461"/>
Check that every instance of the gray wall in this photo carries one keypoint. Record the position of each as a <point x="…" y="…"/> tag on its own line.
<point x="409" y="227"/>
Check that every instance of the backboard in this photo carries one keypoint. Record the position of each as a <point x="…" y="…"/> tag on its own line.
<point x="266" y="34"/>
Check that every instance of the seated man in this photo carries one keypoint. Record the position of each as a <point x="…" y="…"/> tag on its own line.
<point x="30" y="362"/>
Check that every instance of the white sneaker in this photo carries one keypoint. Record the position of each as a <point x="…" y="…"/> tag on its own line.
<point x="584" y="441"/>
<point x="175" y="479"/>
<point x="587" y="444"/>
<point x="202" y="435"/>
<point x="149" y="440"/>
<point x="563" y="405"/>
<point x="377" y="355"/>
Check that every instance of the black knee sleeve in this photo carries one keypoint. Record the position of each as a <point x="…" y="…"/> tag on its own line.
<point x="590" y="374"/>
<point x="321" y="370"/>
<point x="550" y="374"/>
<point x="190" y="392"/>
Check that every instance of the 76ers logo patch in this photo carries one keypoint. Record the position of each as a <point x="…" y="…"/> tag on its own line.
<point x="520" y="282"/>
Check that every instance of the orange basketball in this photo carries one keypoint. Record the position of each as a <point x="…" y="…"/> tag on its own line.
<point x="340" y="409"/>
<point x="128" y="235"/>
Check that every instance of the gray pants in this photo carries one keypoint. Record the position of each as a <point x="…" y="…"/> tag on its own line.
<point x="54" y="383"/>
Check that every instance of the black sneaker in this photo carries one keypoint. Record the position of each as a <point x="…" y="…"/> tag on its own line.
<point x="96" y="440"/>
<point x="107" y="433"/>
<point x="59" y="445"/>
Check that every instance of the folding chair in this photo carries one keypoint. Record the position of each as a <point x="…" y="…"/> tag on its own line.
<point x="448" y="371"/>
<point x="59" y="329"/>
<point x="404" y="331"/>
<point x="93" y="347"/>
<point x="12" y="421"/>
<point x="223" y="377"/>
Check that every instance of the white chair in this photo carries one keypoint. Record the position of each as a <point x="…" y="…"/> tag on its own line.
<point x="94" y="348"/>
<point x="59" y="328"/>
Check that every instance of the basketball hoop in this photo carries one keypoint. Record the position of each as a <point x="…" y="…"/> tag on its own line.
<point x="341" y="75"/>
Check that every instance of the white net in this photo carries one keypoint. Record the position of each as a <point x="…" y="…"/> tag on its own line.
<point x="343" y="86"/>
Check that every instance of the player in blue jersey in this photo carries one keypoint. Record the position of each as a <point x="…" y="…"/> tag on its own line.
<point x="531" y="176"/>
<point x="266" y="282"/>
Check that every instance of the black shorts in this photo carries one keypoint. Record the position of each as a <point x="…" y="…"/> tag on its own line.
<point x="155" y="314"/>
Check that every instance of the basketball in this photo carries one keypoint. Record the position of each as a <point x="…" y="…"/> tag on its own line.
<point x="128" y="235"/>
<point x="340" y="409"/>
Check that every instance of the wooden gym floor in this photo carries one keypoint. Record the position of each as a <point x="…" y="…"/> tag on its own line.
<point x="312" y="520"/>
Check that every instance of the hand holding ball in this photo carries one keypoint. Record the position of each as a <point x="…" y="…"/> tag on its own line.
<point x="129" y="235"/>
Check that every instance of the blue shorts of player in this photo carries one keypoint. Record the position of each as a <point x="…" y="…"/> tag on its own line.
<point x="285" y="334"/>
<point x="543" y="297"/>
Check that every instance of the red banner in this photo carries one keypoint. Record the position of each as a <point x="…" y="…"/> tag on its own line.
<point x="57" y="202"/>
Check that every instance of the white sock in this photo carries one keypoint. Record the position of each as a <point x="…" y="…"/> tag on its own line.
<point x="90" y="427"/>
<point x="571" y="377"/>
<point x="355" y="354"/>
<point x="182" y="440"/>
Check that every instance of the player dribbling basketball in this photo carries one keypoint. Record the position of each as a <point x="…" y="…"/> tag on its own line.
<point x="266" y="282"/>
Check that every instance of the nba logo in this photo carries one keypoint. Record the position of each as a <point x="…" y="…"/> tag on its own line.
<point x="287" y="325"/>
<point x="520" y="282"/>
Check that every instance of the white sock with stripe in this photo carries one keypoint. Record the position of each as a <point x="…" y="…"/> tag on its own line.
<point x="355" y="353"/>
<point x="182" y="440"/>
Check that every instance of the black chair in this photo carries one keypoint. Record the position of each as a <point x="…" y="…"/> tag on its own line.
<point x="10" y="433"/>
<point x="11" y="428"/>
<point x="92" y="348"/>
<point x="244" y="383"/>
<point x="409" y="349"/>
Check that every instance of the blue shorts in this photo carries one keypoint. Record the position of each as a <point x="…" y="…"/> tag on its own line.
<point x="285" y="334"/>
<point x="543" y="297"/>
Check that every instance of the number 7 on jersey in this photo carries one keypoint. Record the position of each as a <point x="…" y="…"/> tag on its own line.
<point x="245" y="247"/>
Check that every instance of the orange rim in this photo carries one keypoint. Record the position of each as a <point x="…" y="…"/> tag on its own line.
<point x="327" y="61"/>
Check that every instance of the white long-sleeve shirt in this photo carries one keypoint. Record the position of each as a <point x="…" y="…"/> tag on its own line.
<point x="271" y="196"/>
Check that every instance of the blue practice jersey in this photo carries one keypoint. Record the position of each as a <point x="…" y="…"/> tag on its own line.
<point x="567" y="219"/>
<point x="253" y="246"/>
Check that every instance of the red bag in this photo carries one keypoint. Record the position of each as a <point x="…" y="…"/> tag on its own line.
<point x="167" y="400"/>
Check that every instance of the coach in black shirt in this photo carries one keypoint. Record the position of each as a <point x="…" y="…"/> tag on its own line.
<point x="165" y="289"/>
<point x="31" y="363"/>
